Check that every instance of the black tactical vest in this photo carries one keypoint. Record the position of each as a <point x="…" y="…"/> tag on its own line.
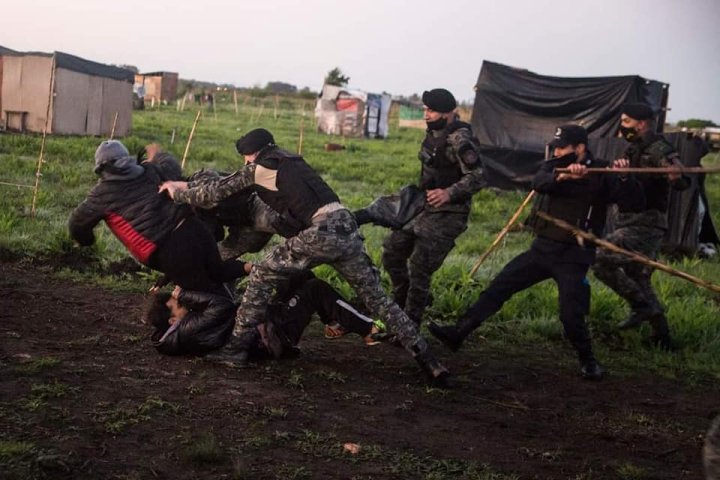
<point x="438" y="171"/>
<point x="301" y="191"/>
<point x="585" y="212"/>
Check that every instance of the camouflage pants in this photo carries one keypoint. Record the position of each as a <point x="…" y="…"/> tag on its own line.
<point x="333" y="240"/>
<point x="411" y="256"/>
<point x="629" y="279"/>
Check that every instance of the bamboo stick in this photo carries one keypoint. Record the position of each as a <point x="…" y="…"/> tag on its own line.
<point x="648" y="170"/>
<point x="19" y="185"/>
<point x="235" y="101"/>
<point x="635" y="256"/>
<point x="502" y="233"/>
<point x="214" y="101"/>
<point x="112" y="131"/>
<point x="302" y="135"/>
<point x="42" y="142"/>
<point x="192" y="132"/>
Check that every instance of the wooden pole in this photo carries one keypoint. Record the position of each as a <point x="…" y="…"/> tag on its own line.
<point x="276" y="108"/>
<point x="112" y="132"/>
<point x="192" y="132"/>
<point x="235" y="101"/>
<point x="214" y="101"/>
<point x="36" y="188"/>
<point x="302" y="136"/>
<point x="635" y="256"/>
<point x="172" y="137"/>
<point x="648" y="170"/>
<point x="502" y="233"/>
<point x="262" y="109"/>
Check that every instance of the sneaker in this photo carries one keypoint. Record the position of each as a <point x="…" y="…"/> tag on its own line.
<point x="447" y="334"/>
<point x="334" y="330"/>
<point x="591" y="370"/>
<point x="376" y="336"/>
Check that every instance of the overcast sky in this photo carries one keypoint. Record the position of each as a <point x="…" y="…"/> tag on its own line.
<point x="401" y="47"/>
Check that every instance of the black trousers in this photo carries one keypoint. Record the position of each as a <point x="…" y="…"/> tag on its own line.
<point x="561" y="263"/>
<point x="293" y="315"/>
<point x="190" y="258"/>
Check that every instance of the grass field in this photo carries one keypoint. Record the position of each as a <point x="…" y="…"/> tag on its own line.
<point x="364" y="170"/>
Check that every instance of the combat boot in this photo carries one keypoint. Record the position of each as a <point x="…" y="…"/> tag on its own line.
<point x="639" y="315"/>
<point x="236" y="351"/>
<point x="660" y="337"/>
<point x="447" y="334"/>
<point x="438" y="375"/>
<point x="591" y="370"/>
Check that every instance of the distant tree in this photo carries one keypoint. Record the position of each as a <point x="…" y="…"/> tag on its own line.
<point x="696" y="123"/>
<point x="132" y="68"/>
<point x="336" y="77"/>
<point x="280" y="87"/>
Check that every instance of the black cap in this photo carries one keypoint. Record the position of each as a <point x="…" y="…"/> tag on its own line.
<point x="569" y="135"/>
<point x="638" y="111"/>
<point x="440" y="100"/>
<point x="254" y="141"/>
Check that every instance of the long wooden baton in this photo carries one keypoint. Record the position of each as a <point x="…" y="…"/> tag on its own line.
<point x="648" y="170"/>
<point x="192" y="132"/>
<point x="502" y="233"/>
<point x="635" y="256"/>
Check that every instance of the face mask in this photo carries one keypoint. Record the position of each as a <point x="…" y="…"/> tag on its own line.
<point x="567" y="158"/>
<point x="438" y="124"/>
<point x="629" y="134"/>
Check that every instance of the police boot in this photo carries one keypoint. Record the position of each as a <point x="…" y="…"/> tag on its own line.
<point x="447" y="334"/>
<point x="590" y="369"/>
<point x="236" y="351"/>
<point x="660" y="337"/>
<point x="639" y="315"/>
<point x="438" y="375"/>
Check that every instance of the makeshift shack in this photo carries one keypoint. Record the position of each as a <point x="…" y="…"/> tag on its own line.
<point x="352" y="113"/>
<point x="86" y="95"/>
<point x="157" y="86"/>
<point x="516" y="112"/>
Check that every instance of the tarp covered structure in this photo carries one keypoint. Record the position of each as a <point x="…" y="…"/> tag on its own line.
<point x="157" y="86"/>
<point x="516" y="112"/>
<point x="86" y="95"/>
<point x="352" y="113"/>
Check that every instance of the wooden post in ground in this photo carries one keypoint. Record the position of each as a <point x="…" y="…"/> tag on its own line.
<point x="276" y="108"/>
<point x="235" y="101"/>
<point x="38" y="174"/>
<point x="262" y="109"/>
<point x="502" y="233"/>
<point x="214" y="101"/>
<point x="192" y="132"/>
<point x="112" y="132"/>
<point x="302" y="135"/>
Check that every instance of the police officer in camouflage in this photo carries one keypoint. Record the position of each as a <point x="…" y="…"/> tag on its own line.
<point x="323" y="232"/>
<point x="577" y="198"/>
<point x="450" y="174"/>
<point x="641" y="226"/>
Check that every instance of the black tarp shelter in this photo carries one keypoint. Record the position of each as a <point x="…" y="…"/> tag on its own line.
<point x="516" y="112"/>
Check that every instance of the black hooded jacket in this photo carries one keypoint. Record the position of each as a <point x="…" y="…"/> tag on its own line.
<point x="135" y="212"/>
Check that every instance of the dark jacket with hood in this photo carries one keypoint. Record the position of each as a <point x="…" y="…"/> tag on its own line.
<point x="207" y="325"/>
<point x="126" y="198"/>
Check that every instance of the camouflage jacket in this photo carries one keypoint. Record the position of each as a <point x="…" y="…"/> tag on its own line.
<point x="446" y="163"/>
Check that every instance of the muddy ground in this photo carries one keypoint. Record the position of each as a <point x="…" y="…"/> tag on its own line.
<point x="83" y="395"/>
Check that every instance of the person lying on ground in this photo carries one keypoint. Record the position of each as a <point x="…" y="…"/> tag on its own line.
<point x="200" y="323"/>
<point x="156" y="231"/>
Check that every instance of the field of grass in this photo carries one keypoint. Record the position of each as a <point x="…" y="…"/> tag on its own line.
<point x="364" y="170"/>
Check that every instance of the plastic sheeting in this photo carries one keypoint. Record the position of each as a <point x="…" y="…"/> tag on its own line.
<point x="516" y="112"/>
